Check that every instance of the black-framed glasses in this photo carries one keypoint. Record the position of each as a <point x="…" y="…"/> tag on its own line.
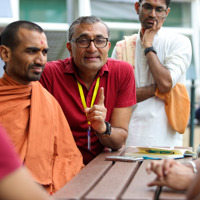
<point x="147" y="8"/>
<point x="85" y="42"/>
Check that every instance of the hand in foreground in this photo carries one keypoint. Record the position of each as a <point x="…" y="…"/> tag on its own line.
<point x="171" y="173"/>
<point x="97" y="114"/>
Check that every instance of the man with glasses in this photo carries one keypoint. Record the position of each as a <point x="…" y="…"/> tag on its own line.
<point x="95" y="92"/>
<point x="160" y="59"/>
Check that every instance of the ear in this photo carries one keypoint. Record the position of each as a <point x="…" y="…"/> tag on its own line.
<point x="5" y="53"/>
<point x="137" y="7"/>
<point x="109" y="45"/>
<point x="167" y="12"/>
<point x="69" y="47"/>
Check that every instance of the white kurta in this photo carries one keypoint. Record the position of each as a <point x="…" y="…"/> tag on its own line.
<point x="149" y="125"/>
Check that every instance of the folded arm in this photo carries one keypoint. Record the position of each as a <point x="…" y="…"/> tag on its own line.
<point x="160" y="74"/>
<point x="146" y="92"/>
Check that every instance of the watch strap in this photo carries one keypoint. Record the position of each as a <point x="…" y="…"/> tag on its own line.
<point x="108" y="129"/>
<point x="147" y="50"/>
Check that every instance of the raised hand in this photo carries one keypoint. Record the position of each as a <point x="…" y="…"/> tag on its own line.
<point x="97" y="113"/>
<point x="149" y="34"/>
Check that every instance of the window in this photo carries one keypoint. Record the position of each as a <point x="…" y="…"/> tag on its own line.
<point x="9" y="11"/>
<point x="43" y="11"/>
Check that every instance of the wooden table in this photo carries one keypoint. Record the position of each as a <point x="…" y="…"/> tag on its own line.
<point x="108" y="180"/>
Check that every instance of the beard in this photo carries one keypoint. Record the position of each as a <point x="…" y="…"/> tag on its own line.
<point x="33" y="75"/>
<point x="147" y="25"/>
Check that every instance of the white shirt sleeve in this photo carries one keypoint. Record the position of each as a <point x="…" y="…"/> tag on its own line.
<point x="114" y="53"/>
<point x="178" y="58"/>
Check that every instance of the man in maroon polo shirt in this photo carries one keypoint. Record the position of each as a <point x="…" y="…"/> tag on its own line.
<point x="95" y="92"/>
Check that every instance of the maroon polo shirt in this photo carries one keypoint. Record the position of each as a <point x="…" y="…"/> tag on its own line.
<point x="60" y="79"/>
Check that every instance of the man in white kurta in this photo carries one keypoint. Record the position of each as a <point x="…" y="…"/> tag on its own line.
<point x="149" y="125"/>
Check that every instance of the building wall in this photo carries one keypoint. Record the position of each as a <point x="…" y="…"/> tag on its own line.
<point x="55" y="16"/>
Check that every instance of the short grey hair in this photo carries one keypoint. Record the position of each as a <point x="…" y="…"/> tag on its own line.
<point x="86" y="20"/>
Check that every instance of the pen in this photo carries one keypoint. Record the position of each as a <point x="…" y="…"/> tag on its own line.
<point x="160" y="152"/>
<point x="151" y="158"/>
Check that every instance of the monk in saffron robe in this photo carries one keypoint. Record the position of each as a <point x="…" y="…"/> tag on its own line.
<point x="32" y="117"/>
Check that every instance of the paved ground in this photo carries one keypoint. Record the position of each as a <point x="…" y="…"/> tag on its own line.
<point x="186" y="136"/>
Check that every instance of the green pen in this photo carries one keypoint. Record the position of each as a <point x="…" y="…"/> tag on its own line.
<point x="160" y="152"/>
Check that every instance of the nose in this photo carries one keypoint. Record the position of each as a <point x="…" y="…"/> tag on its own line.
<point x="153" y="12"/>
<point x="92" y="47"/>
<point x="41" y="59"/>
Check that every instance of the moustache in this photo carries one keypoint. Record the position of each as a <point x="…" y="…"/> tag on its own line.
<point x="35" y="65"/>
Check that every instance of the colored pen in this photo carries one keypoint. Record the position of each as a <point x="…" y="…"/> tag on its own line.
<point x="160" y="152"/>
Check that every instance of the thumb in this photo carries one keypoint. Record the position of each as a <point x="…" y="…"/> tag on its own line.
<point x="101" y="96"/>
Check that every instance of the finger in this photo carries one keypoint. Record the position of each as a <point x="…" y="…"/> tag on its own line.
<point x="96" y="110"/>
<point x="98" y="118"/>
<point x="87" y="110"/>
<point x="148" y="168"/>
<point x="157" y="168"/>
<point x="156" y="183"/>
<point x="167" y="165"/>
<point x="101" y="96"/>
<point x="154" y="25"/>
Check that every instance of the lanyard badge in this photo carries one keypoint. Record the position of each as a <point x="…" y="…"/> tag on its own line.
<point x="85" y="106"/>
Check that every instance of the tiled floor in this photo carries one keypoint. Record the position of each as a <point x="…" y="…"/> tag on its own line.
<point x="186" y="136"/>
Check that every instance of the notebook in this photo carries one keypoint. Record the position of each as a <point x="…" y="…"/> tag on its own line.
<point x="160" y="153"/>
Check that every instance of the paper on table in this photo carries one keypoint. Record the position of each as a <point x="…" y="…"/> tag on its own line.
<point x="162" y="153"/>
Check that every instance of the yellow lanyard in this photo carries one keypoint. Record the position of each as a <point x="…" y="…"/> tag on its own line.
<point x="85" y="106"/>
<point x="93" y="96"/>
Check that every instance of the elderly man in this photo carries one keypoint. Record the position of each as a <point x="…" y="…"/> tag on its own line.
<point x="31" y="116"/>
<point x="95" y="92"/>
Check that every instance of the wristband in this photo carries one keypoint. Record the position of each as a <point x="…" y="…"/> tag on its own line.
<point x="192" y="163"/>
<point x="147" y="50"/>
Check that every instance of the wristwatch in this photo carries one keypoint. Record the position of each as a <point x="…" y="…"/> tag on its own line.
<point x="149" y="49"/>
<point x="108" y="129"/>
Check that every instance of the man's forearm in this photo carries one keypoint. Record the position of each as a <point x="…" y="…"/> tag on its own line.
<point x="116" y="139"/>
<point x="146" y="92"/>
<point x="160" y="74"/>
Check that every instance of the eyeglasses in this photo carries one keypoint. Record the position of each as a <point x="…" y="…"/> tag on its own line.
<point x="85" y="42"/>
<point x="147" y="8"/>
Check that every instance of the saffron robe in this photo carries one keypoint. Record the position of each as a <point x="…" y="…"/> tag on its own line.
<point x="40" y="132"/>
